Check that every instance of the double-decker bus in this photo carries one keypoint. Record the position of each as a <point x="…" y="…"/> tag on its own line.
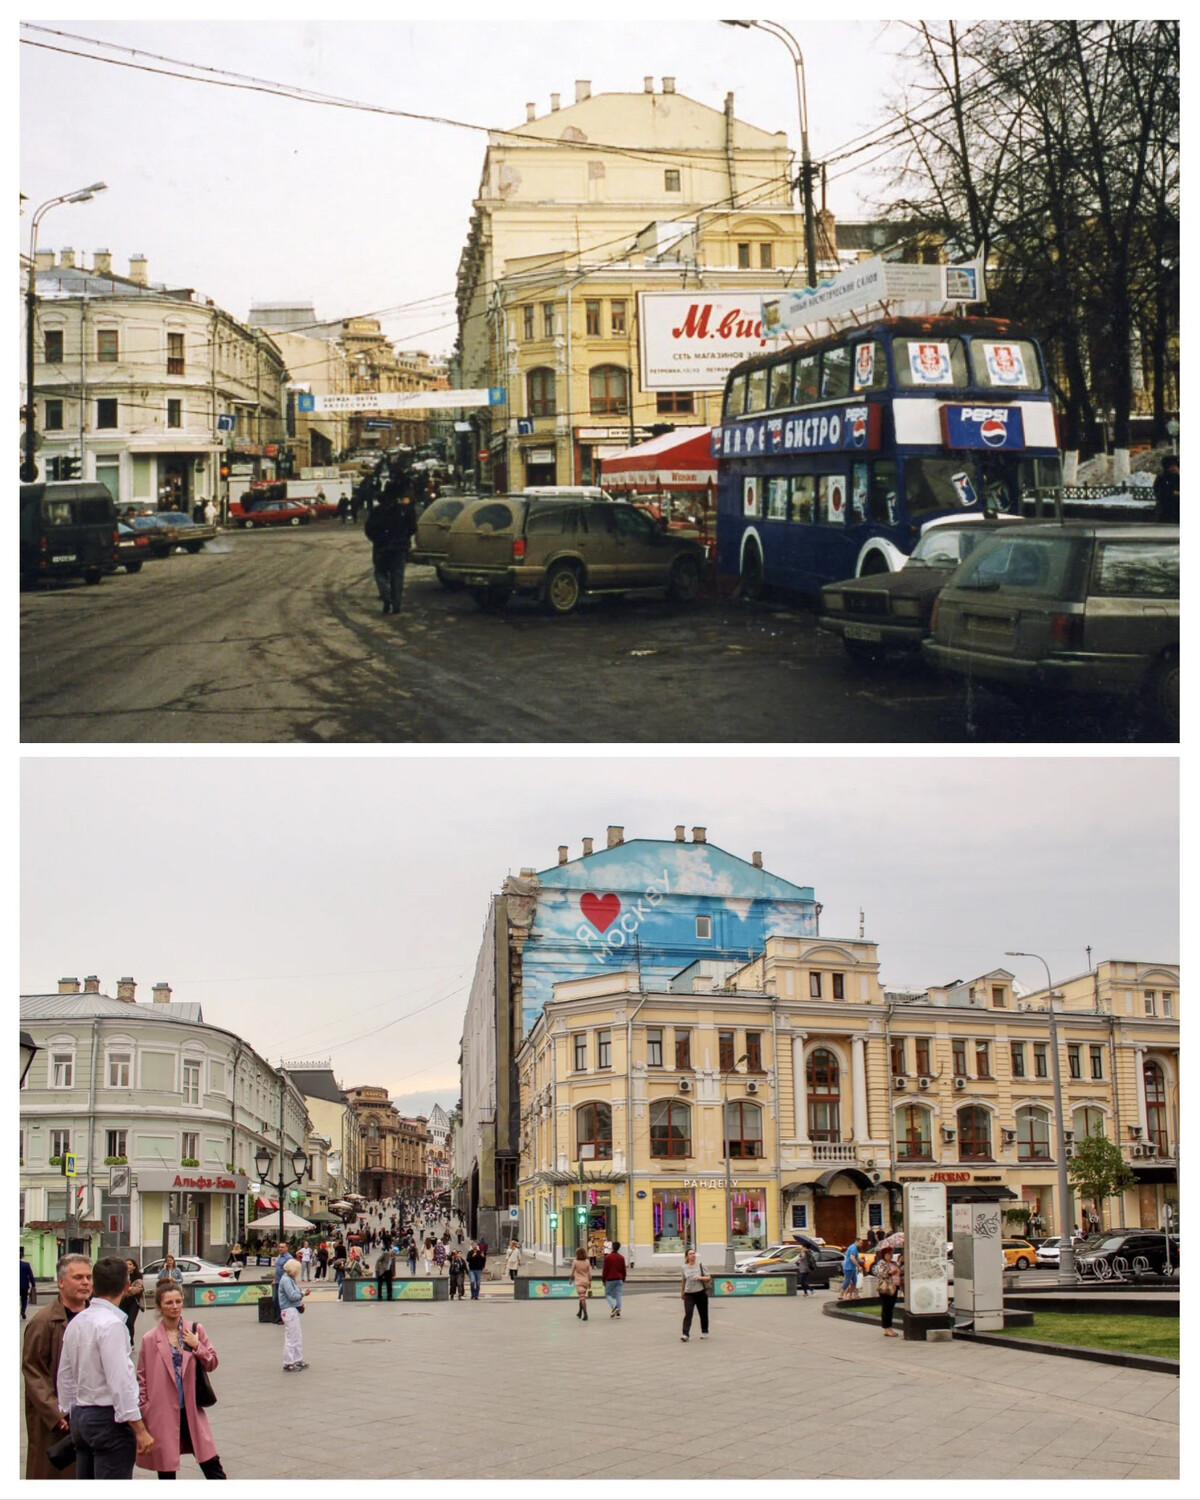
<point x="832" y="455"/>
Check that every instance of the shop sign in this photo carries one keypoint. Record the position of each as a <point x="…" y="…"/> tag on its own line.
<point x="708" y="1182"/>
<point x="949" y="1176"/>
<point x="538" y="455"/>
<point x="189" y="1181"/>
<point x="690" y="342"/>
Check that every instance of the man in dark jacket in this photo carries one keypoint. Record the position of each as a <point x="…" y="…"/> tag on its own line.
<point x="476" y="1261"/>
<point x="28" y="1284"/>
<point x="1166" y="491"/>
<point x="385" y="1272"/>
<point x="389" y="529"/>
<point x="45" y="1421"/>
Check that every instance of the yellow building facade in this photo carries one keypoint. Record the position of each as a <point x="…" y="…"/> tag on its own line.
<point x="736" y="1106"/>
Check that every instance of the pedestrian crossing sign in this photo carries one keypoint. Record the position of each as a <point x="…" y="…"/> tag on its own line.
<point x="68" y="1164"/>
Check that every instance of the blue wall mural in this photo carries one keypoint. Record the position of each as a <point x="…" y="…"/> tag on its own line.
<point x="640" y="900"/>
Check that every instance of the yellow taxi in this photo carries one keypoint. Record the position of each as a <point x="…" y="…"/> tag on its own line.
<point x="1019" y="1253"/>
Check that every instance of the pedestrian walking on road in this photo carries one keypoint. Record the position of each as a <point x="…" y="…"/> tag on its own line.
<point x="170" y="1271"/>
<point x="613" y="1273"/>
<point x="28" y="1285"/>
<point x="385" y="1273"/>
<point x="1166" y="491"/>
<point x="694" y="1291"/>
<point x="851" y="1270"/>
<point x="323" y="1262"/>
<point x="166" y="1375"/>
<point x="888" y="1271"/>
<point x="439" y="1257"/>
<point x="305" y="1259"/>
<point x="512" y="1261"/>
<point x="339" y="1271"/>
<point x="457" y="1269"/>
<point x="476" y="1261"/>
<point x="97" y="1384"/>
<point x="131" y="1302"/>
<point x="412" y="1257"/>
<point x="291" y="1305"/>
<point x="389" y="529"/>
<point x="581" y="1274"/>
<point x="427" y="1257"/>
<point x="281" y="1262"/>
<point x="804" y="1265"/>
<point x="45" y="1421"/>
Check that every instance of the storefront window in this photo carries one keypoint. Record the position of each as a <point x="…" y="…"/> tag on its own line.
<point x="748" y="1220"/>
<point x="674" y="1221"/>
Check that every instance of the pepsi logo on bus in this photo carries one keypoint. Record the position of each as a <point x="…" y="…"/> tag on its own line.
<point x="983" y="426"/>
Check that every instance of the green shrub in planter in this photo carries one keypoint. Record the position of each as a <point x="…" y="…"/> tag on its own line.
<point x="55" y="1161"/>
<point x="189" y="1161"/>
<point x="116" y="1161"/>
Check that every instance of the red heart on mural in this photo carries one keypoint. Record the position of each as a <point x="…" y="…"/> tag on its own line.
<point x="601" y="911"/>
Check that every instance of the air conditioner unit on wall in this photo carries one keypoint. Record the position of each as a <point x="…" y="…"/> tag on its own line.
<point x="685" y="1085"/>
<point x="960" y="1083"/>
<point x="752" y="1087"/>
<point x="923" y="1083"/>
<point x="899" y="1083"/>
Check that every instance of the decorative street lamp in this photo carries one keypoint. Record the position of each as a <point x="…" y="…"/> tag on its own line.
<point x="729" y="1264"/>
<point x="773" y="28"/>
<point x="263" y="1158"/>
<point x="81" y="195"/>
<point x="29" y="1050"/>
<point x="1066" y="1251"/>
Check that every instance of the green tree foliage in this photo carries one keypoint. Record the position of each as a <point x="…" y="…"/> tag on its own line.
<point x="1098" y="1170"/>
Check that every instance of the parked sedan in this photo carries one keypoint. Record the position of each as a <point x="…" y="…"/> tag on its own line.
<point x="890" y="611"/>
<point x="1123" y="1252"/>
<point x="433" y="532"/>
<point x="1019" y="1254"/>
<point x="1048" y="1251"/>
<point x="192" y="535"/>
<point x="133" y="547"/>
<point x="1072" y="608"/>
<point x="196" y="1272"/>
<point x="275" y="513"/>
<point x="827" y="1260"/>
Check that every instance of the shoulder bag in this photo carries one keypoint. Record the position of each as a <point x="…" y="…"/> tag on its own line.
<point x="205" y="1395"/>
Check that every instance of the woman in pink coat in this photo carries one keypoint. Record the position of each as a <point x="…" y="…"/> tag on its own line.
<point x="167" y="1383"/>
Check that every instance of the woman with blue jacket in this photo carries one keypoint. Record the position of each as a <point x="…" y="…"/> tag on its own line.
<point x="291" y="1305"/>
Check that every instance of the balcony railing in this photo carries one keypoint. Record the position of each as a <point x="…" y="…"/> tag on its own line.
<point x="833" y="1151"/>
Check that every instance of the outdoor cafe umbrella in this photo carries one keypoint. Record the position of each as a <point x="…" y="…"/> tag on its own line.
<point x="291" y="1221"/>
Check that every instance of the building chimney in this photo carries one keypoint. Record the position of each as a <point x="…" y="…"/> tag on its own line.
<point x="555" y="101"/>
<point x="583" y="89"/>
<point x="527" y="872"/>
<point x="102" y="262"/>
<point x="68" y="986"/>
<point x="668" y="85"/>
<point x="139" y="270"/>
<point x="530" y="113"/>
<point x="587" y="847"/>
<point x="648" y="85"/>
<point x="562" y="854"/>
<point x="615" y="836"/>
<point x="162" y="993"/>
<point x="699" y="835"/>
<point x="66" y="259"/>
<point x="91" y="985"/>
<point x="756" y="859"/>
<point x="44" y="260"/>
<point x="126" y="990"/>
<point x="680" y="831"/>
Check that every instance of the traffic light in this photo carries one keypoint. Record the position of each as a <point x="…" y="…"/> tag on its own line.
<point x="225" y="466"/>
<point x="553" y="1221"/>
<point x="581" y="1213"/>
<point x="69" y="467"/>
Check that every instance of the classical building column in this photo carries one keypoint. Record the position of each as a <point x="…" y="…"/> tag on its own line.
<point x="858" y="1070"/>
<point x="799" y="1087"/>
<point x="1139" y="1083"/>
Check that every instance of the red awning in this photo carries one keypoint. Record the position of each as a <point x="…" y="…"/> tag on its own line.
<point x="267" y="1205"/>
<point x="679" y="460"/>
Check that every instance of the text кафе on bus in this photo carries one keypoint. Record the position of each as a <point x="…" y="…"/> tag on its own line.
<point x="833" y="454"/>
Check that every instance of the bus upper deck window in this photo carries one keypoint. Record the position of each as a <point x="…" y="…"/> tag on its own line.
<point x="735" y="397"/>
<point x="806" y="385"/>
<point x="869" y="361"/>
<point x="756" y="390"/>
<point x="929" y="363"/>
<point x="780" y="386"/>
<point x="835" y="373"/>
<point x="1006" y="364"/>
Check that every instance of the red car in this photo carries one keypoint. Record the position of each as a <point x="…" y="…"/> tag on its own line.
<point x="273" y="513"/>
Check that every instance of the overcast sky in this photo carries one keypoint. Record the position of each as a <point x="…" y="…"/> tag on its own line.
<point x="312" y="904"/>
<point x="249" y="197"/>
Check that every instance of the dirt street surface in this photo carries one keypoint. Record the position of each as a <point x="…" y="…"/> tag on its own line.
<point x="278" y="636"/>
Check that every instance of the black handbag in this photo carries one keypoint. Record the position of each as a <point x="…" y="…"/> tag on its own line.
<point x="62" y="1454"/>
<point x="205" y="1395"/>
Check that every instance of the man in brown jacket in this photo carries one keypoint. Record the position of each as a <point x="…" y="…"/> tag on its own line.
<point x="44" y="1422"/>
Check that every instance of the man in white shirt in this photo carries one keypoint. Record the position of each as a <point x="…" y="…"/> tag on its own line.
<point x="97" y="1385"/>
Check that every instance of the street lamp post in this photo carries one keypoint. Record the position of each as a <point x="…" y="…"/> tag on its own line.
<point x="1066" y="1252"/>
<point x="729" y="1263"/>
<point x="773" y="28"/>
<point x="81" y="195"/>
<point x="262" y="1163"/>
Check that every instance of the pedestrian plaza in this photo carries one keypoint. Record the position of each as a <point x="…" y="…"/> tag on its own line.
<point x="778" y="1392"/>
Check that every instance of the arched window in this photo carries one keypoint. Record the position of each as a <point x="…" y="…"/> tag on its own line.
<point x="1156" y="1106"/>
<point x="539" y="385"/>
<point x="670" y="1128"/>
<point x="824" y="1096"/>
<point x="1087" y="1120"/>
<point x="743" y="1129"/>
<point x="913" y="1135"/>
<point x="974" y="1134"/>
<point x="609" y="388"/>
<point x="1033" y="1135"/>
<point x="593" y="1131"/>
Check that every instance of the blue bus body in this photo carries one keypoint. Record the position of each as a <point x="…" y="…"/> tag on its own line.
<point x="833" y="455"/>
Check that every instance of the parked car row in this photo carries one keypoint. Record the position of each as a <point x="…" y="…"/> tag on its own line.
<point x="73" y="529"/>
<point x="1066" y="608"/>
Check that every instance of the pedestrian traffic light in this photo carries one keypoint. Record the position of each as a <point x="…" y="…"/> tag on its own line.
<point x="581" y="1212"/>
<point x="553" y="1221"/>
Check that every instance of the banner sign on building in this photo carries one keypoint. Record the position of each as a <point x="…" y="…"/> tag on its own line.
<point x="868" y="282"/>
<point x="832" y="430"/>
<point x="189" y="1180"/>
<point x="402" y="400"/>
<point x="689" y="341"/>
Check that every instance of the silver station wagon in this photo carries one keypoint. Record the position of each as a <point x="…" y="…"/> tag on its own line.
<point x="1069" y="608"/>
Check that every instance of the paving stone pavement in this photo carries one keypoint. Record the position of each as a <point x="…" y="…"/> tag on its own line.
<point x="626" y="1400"/>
